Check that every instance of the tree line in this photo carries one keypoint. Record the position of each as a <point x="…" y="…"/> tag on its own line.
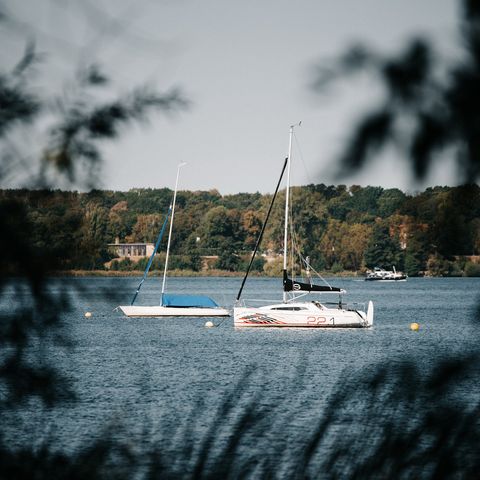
<point x="341" y="228"/>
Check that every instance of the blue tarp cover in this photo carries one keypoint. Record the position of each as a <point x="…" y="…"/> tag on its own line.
<point x="174" y="300"/>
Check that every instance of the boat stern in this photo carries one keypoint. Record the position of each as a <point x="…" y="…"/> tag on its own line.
<point x="370" y="312"/>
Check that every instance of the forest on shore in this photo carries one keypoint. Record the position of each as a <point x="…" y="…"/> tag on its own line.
<point x="342" y="229"/>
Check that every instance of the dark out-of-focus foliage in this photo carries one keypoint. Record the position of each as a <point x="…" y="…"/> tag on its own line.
<point x="393" y="421"/>
<point x="77" y="125"/>
<point x="78" y="121"/>
<point x="410" y="421"/>
<point x="44" y="140"/>
<point x="431" y="108"/>
<point x="414" y="421"/>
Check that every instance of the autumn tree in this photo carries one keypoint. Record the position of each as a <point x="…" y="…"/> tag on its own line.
<point x="146" y="228"/>
<point x="251" y="225"/>
<point x="354" y="245"/>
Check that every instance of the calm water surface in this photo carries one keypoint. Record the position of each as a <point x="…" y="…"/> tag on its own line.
<point x="157" y="375"/>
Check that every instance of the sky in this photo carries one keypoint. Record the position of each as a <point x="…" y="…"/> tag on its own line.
<point x="247" y="69"/>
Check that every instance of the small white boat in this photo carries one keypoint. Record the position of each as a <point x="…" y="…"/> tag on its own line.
<point x="178" y="306"/>
<point x="162" y="311"/>
<point x="379" y="274"/>
<point x="294" y="312"/>
<point x="173" y="305"/>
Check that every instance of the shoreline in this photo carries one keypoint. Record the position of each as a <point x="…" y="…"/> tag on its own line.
<point x="212" y="273"/>
<point x="139" y="273"/>
<point x="180" y="273"/>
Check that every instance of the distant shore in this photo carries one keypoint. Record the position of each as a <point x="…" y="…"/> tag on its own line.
<point x="179" y="273"/>
<point x="155" y="273"/>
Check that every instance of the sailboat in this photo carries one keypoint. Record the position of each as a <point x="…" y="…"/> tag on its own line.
<point x="173" y="305"/>
<point x="294" y="311"/>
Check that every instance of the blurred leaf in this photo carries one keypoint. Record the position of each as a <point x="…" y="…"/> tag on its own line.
<point x="429" y="105"/>
<point x="371" y="134"/>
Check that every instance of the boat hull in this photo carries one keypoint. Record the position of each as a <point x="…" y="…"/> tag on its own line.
<point x="159" y="311"/>
<point x="328" y="318"/>
<point x="400" y="279"/>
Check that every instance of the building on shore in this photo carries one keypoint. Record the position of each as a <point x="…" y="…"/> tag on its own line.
<point x="133" y="251"/>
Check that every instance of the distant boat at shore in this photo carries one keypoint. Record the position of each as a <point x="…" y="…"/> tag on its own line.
<point x="379" y="274"/>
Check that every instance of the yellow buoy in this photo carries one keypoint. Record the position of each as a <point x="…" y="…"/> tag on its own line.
<point x="88" y="314"/>
<point x="209" y="324"/>
<point x="414" y="326"/>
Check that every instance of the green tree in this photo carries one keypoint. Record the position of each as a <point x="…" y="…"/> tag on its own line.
<point x="450" y="230"/>
<point x="383" y="251"/>
<point x="472" y="269"/>
<point x="338" y="206"/>
<point x="93" y="237"/>
<point x="416" y="253"/>
<point x="365" y="200"/>
<point x="228" y="260"/>
<point x="390" y="202"/>
<point x="185" y="262"/>
<point x="221" y="229"/>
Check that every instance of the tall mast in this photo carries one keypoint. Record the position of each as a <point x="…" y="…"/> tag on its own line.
<point x="287" y="197"/>
<point x="171" y="227"/>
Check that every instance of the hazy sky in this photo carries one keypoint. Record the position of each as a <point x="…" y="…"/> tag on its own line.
<point x="246" y="66"/>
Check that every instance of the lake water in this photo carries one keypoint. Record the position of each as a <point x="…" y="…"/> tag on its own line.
<point x="167" y="376"/>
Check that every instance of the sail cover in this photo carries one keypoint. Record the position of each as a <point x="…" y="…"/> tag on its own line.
<point x="175" y="300"/>
<point x="290" y="285"/>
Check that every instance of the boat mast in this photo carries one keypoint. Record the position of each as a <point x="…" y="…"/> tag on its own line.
<point x="287" y="196"/>
<point x="171" y="227"/>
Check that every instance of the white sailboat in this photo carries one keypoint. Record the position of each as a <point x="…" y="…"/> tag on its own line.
<point x="293" y="311"/>
<point x="173" y="305"/>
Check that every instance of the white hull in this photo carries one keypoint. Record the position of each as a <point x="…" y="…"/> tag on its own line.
<point x="386" y="280"/>
<point x="159" y="311"/>
<point x="308" y="314"/>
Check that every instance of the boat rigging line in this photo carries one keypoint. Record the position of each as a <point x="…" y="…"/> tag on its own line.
<point x="259" y="239"/>
<point x="149" y="264"/>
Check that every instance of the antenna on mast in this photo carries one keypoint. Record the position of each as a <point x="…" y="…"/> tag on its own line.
<point x="287" y="196"/>
<point x="180" y="165"/>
